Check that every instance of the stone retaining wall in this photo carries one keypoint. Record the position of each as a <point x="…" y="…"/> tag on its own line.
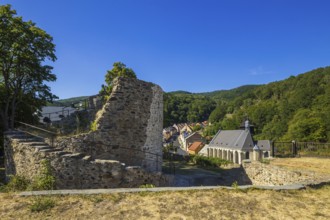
<point x="269" y="175"/>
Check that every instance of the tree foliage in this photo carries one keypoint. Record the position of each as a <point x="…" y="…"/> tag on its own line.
<point x="297" y="108"/>
<point x="181" y="107"/>
<point x="24" y="48"/>
<point x="119" y="70"/>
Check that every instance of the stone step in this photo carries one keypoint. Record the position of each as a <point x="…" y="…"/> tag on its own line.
<point x="18" y="136"/>
<point x="32" y="141"/>
<point x="42" y="147"/>
<point x="74" y="155"/>
<point x="12" y="132"/>
<point x="48" y="150"/>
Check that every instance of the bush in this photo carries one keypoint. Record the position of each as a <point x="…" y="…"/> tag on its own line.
<point x="45" y="181"/>
<point x="265" y="161"/>
<point x="16" y="183"/>
<point x="147" y="186"/>
<point x="41" y="204"/>
<point x="208" y="161"/>
<point x="93" y="126"/>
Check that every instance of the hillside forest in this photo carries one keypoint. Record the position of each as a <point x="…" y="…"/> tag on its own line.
<point x="297" y="108"/>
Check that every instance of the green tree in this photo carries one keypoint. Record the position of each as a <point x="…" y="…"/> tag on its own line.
<point x="307" y="125"/>
<point x="218" y="114"/>
<point x="24" y="48"/>
<point x="182" y="107"/>
<point x="119" y="70"/>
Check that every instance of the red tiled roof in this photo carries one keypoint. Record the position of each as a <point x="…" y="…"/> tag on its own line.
<point x="194" y="146"/>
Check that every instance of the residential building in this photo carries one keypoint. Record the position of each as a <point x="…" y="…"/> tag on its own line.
<point x="195" y="147"/>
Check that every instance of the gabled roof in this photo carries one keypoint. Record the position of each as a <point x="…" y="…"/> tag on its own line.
<point x="193" y="134"/>
<point x="264" y="145"/>
<point x="233" y="139"/>
<point x="195" y="146"/>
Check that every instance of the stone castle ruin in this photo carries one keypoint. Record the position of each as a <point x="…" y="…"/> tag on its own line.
<point x="124" y="148"/>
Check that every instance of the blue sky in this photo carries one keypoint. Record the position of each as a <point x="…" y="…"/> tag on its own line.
<point x="192" y="45"/>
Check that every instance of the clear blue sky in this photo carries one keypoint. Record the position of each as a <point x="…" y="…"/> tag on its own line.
<point x="192" y="45"/>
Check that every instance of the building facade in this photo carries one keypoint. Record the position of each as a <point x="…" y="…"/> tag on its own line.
<point x="237" y="145"/>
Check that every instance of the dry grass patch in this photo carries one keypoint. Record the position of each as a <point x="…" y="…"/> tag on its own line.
<point x="206" y="204"/>
<point x="318" y="165"/>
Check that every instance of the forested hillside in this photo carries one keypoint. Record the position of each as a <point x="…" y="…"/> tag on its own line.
<point x="182" y="107"/>
<point x="297" y="108"/>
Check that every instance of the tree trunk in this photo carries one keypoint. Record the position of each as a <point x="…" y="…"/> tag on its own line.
<point x="4" y="121"/>
<point x="12" y="114"/>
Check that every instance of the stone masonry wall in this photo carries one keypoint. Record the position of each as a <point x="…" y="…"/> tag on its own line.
<point x="128" y="127"/>
<point x="72" y="170"/>
<point x="270" y="175"/>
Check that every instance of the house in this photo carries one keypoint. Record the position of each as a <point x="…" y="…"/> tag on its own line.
<point x="237" y="145"/>
<point x="204" y="124"/>
<point x="195" y="147"/>
<point x="187" y="128"/>
<point x="55" y="113"/>
<point x="166" y="135"/>
<point x="191" y="139"/>
<point x="169" y="133"/>
<point x="179" y="127"/>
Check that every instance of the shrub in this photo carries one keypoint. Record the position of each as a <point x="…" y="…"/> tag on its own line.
<point x="16" y="183"/>
<point x="234" y="185"/>
<point x="45" y="181"/>
<point x="41" y="204"/>
<point x="208" y="161"/>
<point x="93" y="126"/>
<point x="265" y="161"/>
<point x="147" y="186"/>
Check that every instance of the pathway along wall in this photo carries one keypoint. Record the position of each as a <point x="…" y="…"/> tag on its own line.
<point x="124" y="150"/>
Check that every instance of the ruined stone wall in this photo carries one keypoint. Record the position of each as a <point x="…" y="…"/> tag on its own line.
<point x="72" y="170"/>
<point x="124" y="150"/>
<point x="128" y="127"/>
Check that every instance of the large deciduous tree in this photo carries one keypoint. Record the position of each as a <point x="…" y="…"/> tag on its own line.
<point x="24" y="49"/>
